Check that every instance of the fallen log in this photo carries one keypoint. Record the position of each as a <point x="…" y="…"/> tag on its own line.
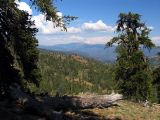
<point x="31" y="105"/>
<point x="65" y="102"/>
<point x="81" y="102"/>
<point x="45" y="106"/>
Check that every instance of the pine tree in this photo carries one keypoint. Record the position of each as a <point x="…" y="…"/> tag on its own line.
<point x="156" y="82"/>
<point x="18" y="52"/>
<point x="18" y="45"/>
<point x="132" y="69"/>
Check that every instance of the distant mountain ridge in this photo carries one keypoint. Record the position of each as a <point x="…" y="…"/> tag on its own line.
<point x="96" y="51"/>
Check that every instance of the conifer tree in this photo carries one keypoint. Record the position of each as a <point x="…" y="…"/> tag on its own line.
<point x="132" y="69"/>
<point x="156" y="82"/>
<point x="18" y="52"/>
<point x="18" y="45"/>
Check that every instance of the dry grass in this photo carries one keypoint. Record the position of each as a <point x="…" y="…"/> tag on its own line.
<point x="125" y="110"/>
<point x="79" y="59"/>
<point x="80" y="82"/>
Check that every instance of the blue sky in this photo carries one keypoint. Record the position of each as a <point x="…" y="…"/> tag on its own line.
<point x="108" y="10"/>
<point x="96" y="20"/>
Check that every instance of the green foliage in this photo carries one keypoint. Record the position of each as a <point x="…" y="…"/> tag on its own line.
<point x="73" y="74"/>
<point x="48" y="8"/>
<point x="132" y="69"/>
<point x="156" y="82"/>
<point x="18" y="46"/>
<point x="19" y="54"/>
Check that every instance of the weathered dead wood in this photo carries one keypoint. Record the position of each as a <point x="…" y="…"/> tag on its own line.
<point x="32" y="105"/>
<point x="82" y="102"/>
<point x="45" y="103"/>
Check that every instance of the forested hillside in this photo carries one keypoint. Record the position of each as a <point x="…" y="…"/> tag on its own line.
<point x="72" y="74"/>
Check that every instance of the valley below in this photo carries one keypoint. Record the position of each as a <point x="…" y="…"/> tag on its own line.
<point x="74" y="78"/>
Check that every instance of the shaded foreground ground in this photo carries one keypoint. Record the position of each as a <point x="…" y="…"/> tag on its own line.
<point x="124" y="110"/>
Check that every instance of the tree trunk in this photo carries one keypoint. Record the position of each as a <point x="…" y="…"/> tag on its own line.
<point x="46" y="106"/>
<point x="81" y="102"/>
<point x="65" y="102"/>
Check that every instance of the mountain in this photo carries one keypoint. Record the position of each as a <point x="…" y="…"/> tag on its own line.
<point x="97" y="51"/>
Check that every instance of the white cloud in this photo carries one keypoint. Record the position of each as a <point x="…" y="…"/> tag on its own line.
<point x="73" y="30"/>
<point x="59" y="14"/>
<point x="56" y="39"/>
<point x="98" y="26"/>
<point x="76" y="37"/>
<point x="24" y="6"/>
<point x="45" y="27"/>
<point x="98" y="40"/>
<point x="150" y="27"/>
<point x="50" y="35"/>
<point x="156" y="40"/>
<point x="49" y="40"/>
